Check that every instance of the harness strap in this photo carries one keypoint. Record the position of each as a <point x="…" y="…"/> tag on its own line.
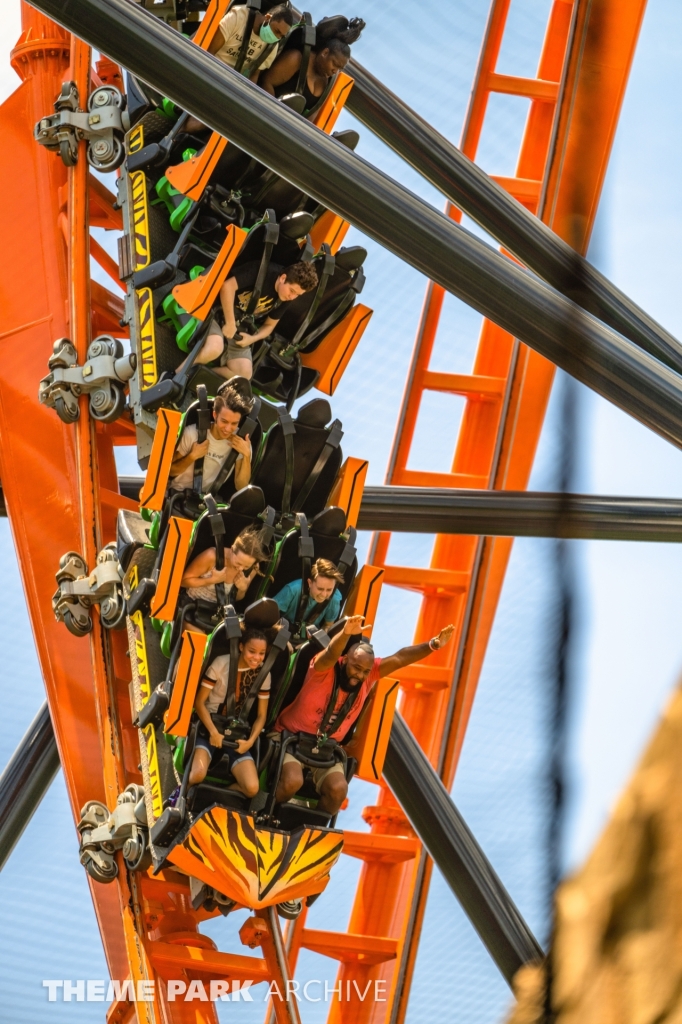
<point x="218" y="530"/>
<point x="252" y="8"/>
<point x="268" y="518"/>
<point x="203" y="425"/>
<point x="306" y="552"/>
<point x="233" y="633"/>
<point x="248" y="426"/>
<point x="261" y="57"/>
<point x="271" y="238"/>
<point x="331" y="444"/>
<point x="349" y="552"/>
<point x="288" y="431"/>
<point x="309" y="37"/>
<point x="344" y="710"/>
<point x="336" y="315"/>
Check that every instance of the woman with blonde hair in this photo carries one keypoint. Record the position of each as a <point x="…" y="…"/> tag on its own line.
<point x="241" y="558"/>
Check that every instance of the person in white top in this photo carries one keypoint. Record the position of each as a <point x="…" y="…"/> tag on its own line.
<point x="201" y="575"/>
<point x="221" y="439"/>
<point x="267" y="31"/>
<point x="211" y="697"/>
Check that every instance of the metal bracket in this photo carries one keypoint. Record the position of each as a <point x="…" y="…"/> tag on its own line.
<point x="77" y="591"/>
<point x="103" y="832"/>
<point x="103" y="377"/>
<point x="102" y="125"/>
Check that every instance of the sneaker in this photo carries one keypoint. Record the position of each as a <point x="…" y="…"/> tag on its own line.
<point x="173" y="798"/>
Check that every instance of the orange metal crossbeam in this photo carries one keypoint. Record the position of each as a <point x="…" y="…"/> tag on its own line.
<point x="495" y="445"/>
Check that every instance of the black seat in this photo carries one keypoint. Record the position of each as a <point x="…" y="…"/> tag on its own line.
<point x="300" y="460"/>
<point x="132" y="532"/>
<point x="276" y="193"/>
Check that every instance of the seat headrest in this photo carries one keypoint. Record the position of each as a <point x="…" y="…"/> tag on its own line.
<point x="296" y="225"/>
<point x="317" y="413"/>
<point x="250" y="501"/>
<point x="351" y="258"/>
<point x="294" y="101"/>
<point x="349" y="138"/>
<point x="330" y="522"/>
<point x="262" y="614"/>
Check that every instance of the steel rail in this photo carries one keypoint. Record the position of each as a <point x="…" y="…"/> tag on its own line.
<point x="517" y="300"/>
<point x="474" y="192"/>
<point x="504" y="513"/>
<point x="462" y="862"/>
<point x="520" y="514"/>
<point x="26" y="779"/>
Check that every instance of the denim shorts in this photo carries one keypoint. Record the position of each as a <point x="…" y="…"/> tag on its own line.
<point x="231" y="756"/>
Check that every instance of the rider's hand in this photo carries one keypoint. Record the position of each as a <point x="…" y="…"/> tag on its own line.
<point x="241" y="582"/>
<point x="242" y="746"/>
<point x="240" y="444"/>
<point x="355" y="624"/>
<point x="198" y="450"/>
<point x="445" y="635"/>
<point x="215" y="738"/>
<point x="245" y="341"/>
<point x="229" y="332"/>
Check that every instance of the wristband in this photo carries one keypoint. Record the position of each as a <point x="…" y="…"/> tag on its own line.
<point x="434" y="643"/>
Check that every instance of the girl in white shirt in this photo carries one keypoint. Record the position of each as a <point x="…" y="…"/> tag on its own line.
<point x="211" y="698"/>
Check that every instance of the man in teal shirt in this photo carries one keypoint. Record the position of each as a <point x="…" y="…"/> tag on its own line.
<point x="324" y="600"/>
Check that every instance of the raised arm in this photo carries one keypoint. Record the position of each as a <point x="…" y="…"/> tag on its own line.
<point x="330" y="657"/>
<point x="227" y="295"/>
<point x="408" y="655"/>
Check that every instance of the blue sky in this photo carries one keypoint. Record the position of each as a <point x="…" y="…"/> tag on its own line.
<point x="629" y="651"/>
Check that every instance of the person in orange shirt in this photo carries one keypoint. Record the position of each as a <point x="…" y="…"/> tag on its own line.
<point x="333" y="694"/>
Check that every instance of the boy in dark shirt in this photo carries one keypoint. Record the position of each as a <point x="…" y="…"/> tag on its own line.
<point x="281" y="285"/>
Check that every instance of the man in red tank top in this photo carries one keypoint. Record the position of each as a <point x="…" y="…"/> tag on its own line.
<point x="360" y="669"/>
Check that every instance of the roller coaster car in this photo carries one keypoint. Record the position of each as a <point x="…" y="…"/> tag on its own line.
<point x="154" y="573"/>
<point x="214" y="834"/>
<point x="175" y="255"/>
<point x="296" y="461"/>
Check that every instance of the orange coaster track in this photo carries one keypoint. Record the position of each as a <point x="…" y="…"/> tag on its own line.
<point x="61" y="490"/>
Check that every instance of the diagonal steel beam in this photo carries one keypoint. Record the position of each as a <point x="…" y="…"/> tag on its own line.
<point x="468" y="187"/>
<point x="26" y="780"/>
<point x="517" y="300"/>
<point x="453" y="847"/>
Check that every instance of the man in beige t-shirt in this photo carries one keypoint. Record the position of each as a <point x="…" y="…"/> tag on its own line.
<point x="267" y="31"/>
<point x="221" y="439"/>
